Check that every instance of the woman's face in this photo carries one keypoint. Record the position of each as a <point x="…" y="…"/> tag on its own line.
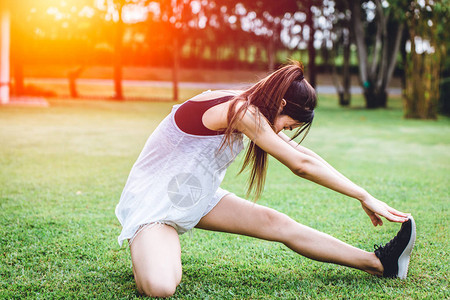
<point x="285" y="122"/>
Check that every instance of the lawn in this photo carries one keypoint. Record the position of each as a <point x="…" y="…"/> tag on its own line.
<point x="63" y="169"/>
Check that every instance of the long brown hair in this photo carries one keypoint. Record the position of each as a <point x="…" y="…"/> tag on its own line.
<point x="266" y="96"/>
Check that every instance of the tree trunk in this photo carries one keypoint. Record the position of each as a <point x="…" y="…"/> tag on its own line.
<point x="19" y="85"/>
<point x="17" y="52"/>
<point x="345" y="99"/>
<point x="312" y="72"/>
<point x="118" y="49"/>
<point x="237" y="56"/>
<point x="403" y="53"/>
<point x="361" y="46"/>
<point x="175" y="66"/>
<point x="73" y="76"/>
<point x="215" y="55"/>
<point x="271" y="55"/>
<point x="376" y="78"/>
<point x="343" y="33"/>
<point x="395" y="40"/>
<point x="272" y="45"/>
<point x="5" y="25"/>
<point x="375" y="98"/>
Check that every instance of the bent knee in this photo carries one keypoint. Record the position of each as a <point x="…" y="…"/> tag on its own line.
<point x="161" y="289"/>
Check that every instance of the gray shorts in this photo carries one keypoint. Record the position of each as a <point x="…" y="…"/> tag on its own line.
<point x="220" y="193"/>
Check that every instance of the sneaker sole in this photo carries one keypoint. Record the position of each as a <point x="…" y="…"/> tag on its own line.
<point x="403" y="260"/>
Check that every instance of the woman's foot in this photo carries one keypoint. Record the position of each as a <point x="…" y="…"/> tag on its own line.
<point x="395" y="255"/>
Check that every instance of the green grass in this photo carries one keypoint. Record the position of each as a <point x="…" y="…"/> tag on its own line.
<point x="63" y="169"/>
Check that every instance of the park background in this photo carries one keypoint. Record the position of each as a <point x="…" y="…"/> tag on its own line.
<point x="83" y="84"/>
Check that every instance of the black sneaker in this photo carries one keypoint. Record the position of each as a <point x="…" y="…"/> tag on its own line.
<point x="394" y="256"/>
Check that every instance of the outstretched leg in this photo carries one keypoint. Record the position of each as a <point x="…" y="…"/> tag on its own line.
<point x="236" y="215"/>
<point x="156" y="257"/>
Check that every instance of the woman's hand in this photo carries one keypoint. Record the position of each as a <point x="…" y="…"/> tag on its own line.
<point x="375" y="208"/>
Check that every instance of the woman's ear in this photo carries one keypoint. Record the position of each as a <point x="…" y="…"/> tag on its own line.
<point x="283" y="104"/>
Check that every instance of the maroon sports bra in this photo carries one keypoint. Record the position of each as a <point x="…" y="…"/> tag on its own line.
<point x="188" y="116"/>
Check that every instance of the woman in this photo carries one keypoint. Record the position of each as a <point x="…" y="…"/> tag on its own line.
<point x="174" y="185"/>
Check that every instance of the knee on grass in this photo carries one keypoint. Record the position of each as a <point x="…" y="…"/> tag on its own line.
<point x="157" y="288"/>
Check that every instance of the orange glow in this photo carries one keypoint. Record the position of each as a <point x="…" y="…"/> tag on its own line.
<point x="84" y="32"/>
<point x="88" y="33"/>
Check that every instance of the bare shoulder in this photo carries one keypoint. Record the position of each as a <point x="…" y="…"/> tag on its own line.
<point x="215" y="94"/>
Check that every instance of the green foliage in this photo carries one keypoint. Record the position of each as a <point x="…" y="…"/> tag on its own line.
<point x="63" y="169"/>
<point x="426" y="23"/>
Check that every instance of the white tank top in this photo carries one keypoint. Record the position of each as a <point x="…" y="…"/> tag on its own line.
<point x="174" y="178"/>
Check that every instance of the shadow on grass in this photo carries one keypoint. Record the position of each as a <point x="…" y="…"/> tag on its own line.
<point x="246" y="279"/>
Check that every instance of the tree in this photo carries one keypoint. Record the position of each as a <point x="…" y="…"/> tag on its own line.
<point x="18" y="38"/>
<point x="4" y="53"/>
<point x="346" y="39"/>
<point x="114" y="12"/>
<point x="340" y="38"/>
<point x="302" y="29"/>
<point x="118" y="50"/>
<point x="376" y="68"/>
<point x="270" y="13"/>
<point x="175" y="14"/>
<point x="309" y="6"/>
<point x="428" y="39"/>
<point x="47" y="29"/>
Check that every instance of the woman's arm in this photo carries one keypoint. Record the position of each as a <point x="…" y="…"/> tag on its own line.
<point x="309" y="152"/>
<point x="312" y="168"/>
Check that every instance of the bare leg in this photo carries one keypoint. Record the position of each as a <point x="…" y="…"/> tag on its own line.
<point x="236" y="215"/>
<point x="156" y="257"/>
